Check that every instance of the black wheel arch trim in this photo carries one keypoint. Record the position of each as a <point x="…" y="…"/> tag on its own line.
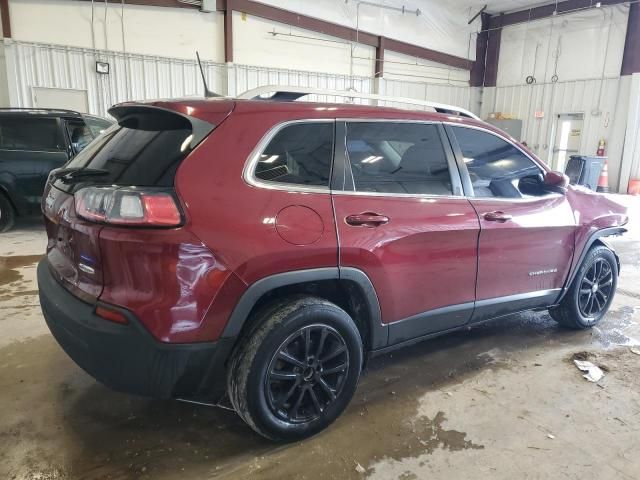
<point x="596" y="236"/>
<point x="378" y="332"/>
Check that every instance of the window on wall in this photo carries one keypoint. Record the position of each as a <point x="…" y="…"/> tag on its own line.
<point x="398" y="157"/>
<point x="496" y="167"/>
<point x="299" y="154"/>
<point x="36" y="134"/>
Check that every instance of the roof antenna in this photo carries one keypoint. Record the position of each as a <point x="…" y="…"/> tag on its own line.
<point x="207" y="93"/>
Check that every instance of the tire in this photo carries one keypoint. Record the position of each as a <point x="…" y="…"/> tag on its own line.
<point x="597" y="279"/>
<point x="264" y="386"/>
<point x="7" y="214"/>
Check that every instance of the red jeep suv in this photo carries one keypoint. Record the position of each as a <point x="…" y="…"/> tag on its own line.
<point x="262" y="250"/>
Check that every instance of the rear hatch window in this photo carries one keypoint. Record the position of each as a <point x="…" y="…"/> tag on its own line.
<point x="143" y="149"/>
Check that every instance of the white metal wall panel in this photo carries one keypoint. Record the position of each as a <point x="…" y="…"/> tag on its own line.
<point x="597" y="99"/>
<point x="444" y="93"/>
<point x="131" y="76"/>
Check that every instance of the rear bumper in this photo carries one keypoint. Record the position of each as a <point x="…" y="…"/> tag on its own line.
<point x="127" y="358"/>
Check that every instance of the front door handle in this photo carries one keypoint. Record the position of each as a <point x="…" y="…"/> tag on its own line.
<point x="367" y="219"/>
<point x="497" y="216"/>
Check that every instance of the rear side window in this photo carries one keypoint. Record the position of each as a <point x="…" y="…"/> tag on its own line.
<point x="496" y="167"/>
<point x="142" y="150"/>
<point x="299" y="154"/>
<point x="34" y="134"/>
<point x="398" y="157"/>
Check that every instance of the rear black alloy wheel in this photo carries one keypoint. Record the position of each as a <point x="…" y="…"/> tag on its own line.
<point x="7" y="214"/>
<point x="297" y="369"/>
<point x="306" y="373"/>
<point x="595" y="288"/>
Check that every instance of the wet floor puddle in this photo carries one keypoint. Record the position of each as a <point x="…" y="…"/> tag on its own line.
<point x="10" y="266"/>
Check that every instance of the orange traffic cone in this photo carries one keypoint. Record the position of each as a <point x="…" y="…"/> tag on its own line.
<point x="634" y="187"/>
<point x="603" y="181"/>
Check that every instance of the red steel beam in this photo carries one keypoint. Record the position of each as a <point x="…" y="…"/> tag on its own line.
<point x="631" y="55"/>
<point x="6" y="20"/>
<point x="379" y="64"/>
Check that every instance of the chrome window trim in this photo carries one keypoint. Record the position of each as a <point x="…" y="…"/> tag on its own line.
<point x="510" y="141"/>
<point x="254" y="156"/>
<point x="248" y="173"/>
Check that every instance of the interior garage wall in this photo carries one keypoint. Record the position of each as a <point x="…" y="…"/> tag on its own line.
<point x="441" y="26"/>
<point x="411" y="69"/>
<point x="171" y="32"/>
<point x="583" y="44"/>
<point x="254" y="43"/>
<point x="584" y="50"/>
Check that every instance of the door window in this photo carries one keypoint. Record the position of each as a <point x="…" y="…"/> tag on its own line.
<point x="299" y="154"/>
<point x="33" y="134"/>
<point x="79" y="133"/>
<point x="398" y="157"/>
<point x="496" y="167"/>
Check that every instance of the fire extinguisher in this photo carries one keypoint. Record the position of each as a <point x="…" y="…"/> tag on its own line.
<point x="601" y="145"/>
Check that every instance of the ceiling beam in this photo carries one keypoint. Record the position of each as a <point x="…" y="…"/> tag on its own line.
<point x="545" y="11"/>
<point x="150" y="3"/>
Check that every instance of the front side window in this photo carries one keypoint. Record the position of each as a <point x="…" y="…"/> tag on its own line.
<point x="34" y="134"/>
<point x="496" y="167"/>
<point x="299" y="154"/>
<point x="398" y="157"/>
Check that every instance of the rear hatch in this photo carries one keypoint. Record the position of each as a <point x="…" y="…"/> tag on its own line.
<point x="131" y="162"/>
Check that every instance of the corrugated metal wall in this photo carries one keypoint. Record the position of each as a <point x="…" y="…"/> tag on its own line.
<point x="442" y="93"/>
<point x="596" y="99"/>
<point x="149" y="77"/>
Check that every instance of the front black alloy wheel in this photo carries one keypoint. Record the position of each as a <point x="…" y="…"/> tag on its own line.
<point x="296" y="371"/>
<point x="591" y="293"/>
<point x="306" y="373"/>
<point x="595" y="288"/>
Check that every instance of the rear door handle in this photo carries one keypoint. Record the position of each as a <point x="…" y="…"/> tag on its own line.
<point x="497" y="216"/>
<point x="367" y="219"/>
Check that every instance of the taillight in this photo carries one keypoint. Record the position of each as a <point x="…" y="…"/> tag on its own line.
<point x="128" y="206"/>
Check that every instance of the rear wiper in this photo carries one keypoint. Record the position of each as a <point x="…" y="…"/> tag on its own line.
<point x="69" y="174"/>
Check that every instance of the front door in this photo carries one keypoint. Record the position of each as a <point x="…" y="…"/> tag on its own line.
<point x="526" y="234"/>
<point x="402" y="220"/>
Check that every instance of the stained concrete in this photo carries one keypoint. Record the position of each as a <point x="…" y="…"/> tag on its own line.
<point x="498" y="401"/>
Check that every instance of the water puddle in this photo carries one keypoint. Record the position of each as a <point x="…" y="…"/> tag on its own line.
<point x="611" y="332"/>
<point x="9" y="267"/>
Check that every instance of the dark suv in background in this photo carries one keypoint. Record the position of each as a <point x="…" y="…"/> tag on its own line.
<point x="32" y="143"/>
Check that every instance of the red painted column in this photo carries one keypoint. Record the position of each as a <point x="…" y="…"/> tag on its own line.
<point x="478" y="69"/>
<point x="631" y="55"/>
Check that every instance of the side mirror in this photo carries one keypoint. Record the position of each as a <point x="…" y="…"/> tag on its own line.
<point x="556" y="182"/>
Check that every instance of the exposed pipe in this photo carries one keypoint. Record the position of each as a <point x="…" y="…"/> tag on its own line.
<point x="604" y="61"/>
<point x="402" y="9"/>
<point x="124" y="52"/>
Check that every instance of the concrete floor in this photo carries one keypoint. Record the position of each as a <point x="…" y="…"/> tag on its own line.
<point x="498" y="401"/>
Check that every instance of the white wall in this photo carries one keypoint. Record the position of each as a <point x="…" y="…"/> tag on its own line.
<point x="584" y="47"/>
<point x="441" y="26"/>
<point x="171" y="32"/>
<point x="403" y="67"/>
<point x="295" y="48"/>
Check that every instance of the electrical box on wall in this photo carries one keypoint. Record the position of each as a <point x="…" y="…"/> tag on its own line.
<point x="208" y="6"/>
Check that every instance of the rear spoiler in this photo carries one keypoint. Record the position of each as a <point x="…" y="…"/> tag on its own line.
<point x="199" y="128"/>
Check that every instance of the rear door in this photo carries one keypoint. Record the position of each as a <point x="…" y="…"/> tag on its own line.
<point x="527" y="234"/>
<point x="402" y="220"/>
